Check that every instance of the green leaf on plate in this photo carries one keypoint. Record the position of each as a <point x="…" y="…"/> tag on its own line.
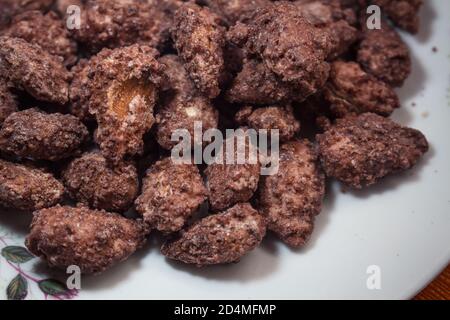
<point x="16" y="254"/>
<point x="53" y="287"/>
<point x="17" y="288"/>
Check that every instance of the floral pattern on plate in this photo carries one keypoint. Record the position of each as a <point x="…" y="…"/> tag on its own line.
<point x="19" y="282"/>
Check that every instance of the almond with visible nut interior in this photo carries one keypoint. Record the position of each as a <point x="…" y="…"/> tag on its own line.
<point x="124" y="91"/>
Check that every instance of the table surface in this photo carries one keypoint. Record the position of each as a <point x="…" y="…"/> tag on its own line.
<point x="439" y="289"/>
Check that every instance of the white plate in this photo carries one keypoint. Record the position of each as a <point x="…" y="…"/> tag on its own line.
<point x="401" y="226"/>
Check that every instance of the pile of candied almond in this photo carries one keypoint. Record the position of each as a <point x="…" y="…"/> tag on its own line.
<point x="87" y="116"/>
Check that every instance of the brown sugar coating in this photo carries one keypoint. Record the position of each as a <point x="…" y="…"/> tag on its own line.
<point x="383" y="54"/>
<point x="79" y="89"/>
<point x="92" y="240"/>
<point x="235" y="10"/>
<point x="124" y="90"/>
<point x="10" y="8"/>
<point x="288" y="44"/>
<point x="46" y="30"/>
<point x="171" y="194"/>
<point x="351" y="90"/>
<point x="8" y="102"/>
<point x="360" y="150"/>
<point x="119" y="23"/>
<point x="355" y="5"/>
<point x="182" y="105"/>
<point x="30" y="68"/>
<point x="232" y="182"/>
<point x="218" y="239"/>
<point x="200" y="40"/>
<point x="257" y="85"/>
<point x="404" y="13"/>
<point x="333" y="19"/>
<point x="168" y="6"/>
<point x="292" y="198"/>
<point x="92" y="182"/>
<point x="40" y="136"/>
<point x="268" y="118"/>
<point x="26" y="188"/>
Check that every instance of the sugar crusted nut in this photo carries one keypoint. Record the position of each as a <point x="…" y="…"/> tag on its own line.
<point x="8" y="102"/>
<point x="10" y="8"/>
<point x="383" y="54"/>
<point x="90" y="180"/>
<point x="270" y="118"/>
<point x="337" y="21"/>
<point x="232" y="183"/>
<point x="404" y="13"/>
<point x="26" y="188"/>
<point x="200" y="41"/>
<point x="288" y="44"/>
<point x="79" y="89"/>
<point x="236" y="10"/>
<point x="218" y="239"/>
<point x="181" y="105"/>
<point x="360" y="150"/>
<point x="37" y="135"/>
<point x="351" y="90"/>
<point x="255" y="84"/>
<point x="92" y="240"/>
<point x="117" y="23"/>
<point x="30" y="68"/>
<point x="292" y="198"/>
<point x="169" y="6"/>
<point x="171" y="194"/>
<point x="124" y="91"/>
<point x="55" y="40"/>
